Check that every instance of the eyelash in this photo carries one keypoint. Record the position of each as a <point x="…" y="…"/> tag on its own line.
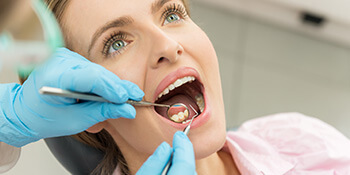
<point x="174" y="9"/>
<point x="170" y="9"/>
<point x="111" y="39"/>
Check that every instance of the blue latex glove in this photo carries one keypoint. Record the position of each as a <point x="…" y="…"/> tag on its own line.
<point x="183" y="162"/>
<point x="27" y="116"/>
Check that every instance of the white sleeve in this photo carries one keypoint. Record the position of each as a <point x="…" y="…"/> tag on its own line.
<point x="9" y="156"/>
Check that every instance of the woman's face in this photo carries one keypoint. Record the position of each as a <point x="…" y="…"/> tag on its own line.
<point x="152" y="43"/>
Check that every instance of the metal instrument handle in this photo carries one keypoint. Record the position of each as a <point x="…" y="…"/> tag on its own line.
<point x="90" y="97"/>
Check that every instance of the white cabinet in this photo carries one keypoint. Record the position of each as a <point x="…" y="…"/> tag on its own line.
<point x="334" y="15"/>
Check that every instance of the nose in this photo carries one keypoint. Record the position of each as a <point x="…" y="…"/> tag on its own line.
<point x="165" y="49"/>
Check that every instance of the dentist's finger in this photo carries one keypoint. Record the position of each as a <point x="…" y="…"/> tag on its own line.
<point x="66" y="53"/>
<point x="77" y="73"/>
<point x="183" y="159"/>
<point x="99" y="112"/>
<point x="135" y="93"/>
<point x="98" y="80"/>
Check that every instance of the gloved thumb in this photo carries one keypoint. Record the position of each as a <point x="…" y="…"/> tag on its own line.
<point x="157" y="161"/>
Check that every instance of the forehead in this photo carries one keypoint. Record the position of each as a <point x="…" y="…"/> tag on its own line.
<point x="117" y="6"/>
<point x="98" y="11"/>
<point x="84" y="17"/>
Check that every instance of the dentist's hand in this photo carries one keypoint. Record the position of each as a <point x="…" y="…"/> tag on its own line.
<point x="27" y="116"/>
<point x="183" y="162"/>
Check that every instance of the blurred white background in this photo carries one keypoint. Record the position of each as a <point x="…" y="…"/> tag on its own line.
<point x="271" y="61"/>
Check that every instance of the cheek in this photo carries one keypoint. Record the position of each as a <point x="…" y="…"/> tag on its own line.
<point x="127" y="68"/>
<point x="213" y="134"/>
<point x="200" y="44"/>
<point x="141" y="135"/>
<point x="201" y="49"/>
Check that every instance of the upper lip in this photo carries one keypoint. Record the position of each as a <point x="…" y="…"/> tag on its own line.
<point x="173" y="76"/>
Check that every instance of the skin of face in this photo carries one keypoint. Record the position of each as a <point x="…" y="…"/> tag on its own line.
<point x="154" y="49"/>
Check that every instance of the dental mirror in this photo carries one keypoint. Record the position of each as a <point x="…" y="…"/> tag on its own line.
<point x="178" y="112"/>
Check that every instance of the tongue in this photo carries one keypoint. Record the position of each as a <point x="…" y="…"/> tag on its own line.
<point x="186" y="100"/>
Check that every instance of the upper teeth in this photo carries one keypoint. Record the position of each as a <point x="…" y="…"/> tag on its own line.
<point x="176" y="84"/>
<point x="200" y="102"/>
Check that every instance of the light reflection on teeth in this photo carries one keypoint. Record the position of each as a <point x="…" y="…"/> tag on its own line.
<point x="200" y="102"/>
<point x="180" y="117"/>
<point x="177" y="83"/>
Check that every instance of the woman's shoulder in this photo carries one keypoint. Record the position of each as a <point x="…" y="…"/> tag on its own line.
<point x="289" y="119"/>
<point x="304" y="133"/>
<point x="306" y="142"/>
<point x="290" y="126"/>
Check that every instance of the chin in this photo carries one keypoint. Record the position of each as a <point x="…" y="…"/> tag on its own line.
<point x="211" y="137"/>
<point x="209" y="144"/>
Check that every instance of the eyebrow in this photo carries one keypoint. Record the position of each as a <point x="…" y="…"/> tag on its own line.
<point x="119" y="22"/>
<point x="122" y="22"/>
<point x="156" y="6"/>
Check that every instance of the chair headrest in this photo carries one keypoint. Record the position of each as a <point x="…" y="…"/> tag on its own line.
<point x="78" y="158"/>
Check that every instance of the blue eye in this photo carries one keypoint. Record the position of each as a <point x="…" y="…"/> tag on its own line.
<point x="171" y="18"/>
<point x="117" y="46"/>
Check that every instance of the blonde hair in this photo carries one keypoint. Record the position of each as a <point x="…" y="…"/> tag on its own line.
<point x="102" y="140"/>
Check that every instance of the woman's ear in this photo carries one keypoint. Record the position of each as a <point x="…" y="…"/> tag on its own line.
<point x="97" y="127"/>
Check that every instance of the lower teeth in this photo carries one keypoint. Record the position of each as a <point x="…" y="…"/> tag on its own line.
<point x="180" y="117"/>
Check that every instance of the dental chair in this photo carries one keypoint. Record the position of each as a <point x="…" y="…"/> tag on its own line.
<point x="78" y="158"/>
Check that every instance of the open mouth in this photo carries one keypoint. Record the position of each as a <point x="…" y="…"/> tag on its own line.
<point x="188" y="91"/>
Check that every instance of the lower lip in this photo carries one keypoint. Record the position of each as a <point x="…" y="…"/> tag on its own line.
<point x="197" y="122"/>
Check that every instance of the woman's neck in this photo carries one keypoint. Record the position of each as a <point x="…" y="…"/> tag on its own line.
<point x="217" y="163"/>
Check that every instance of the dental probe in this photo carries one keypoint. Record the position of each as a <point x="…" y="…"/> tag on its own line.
<point x="186" y="131"/>
<point x="91" y="97"/>
<point x="188" y="127"/>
